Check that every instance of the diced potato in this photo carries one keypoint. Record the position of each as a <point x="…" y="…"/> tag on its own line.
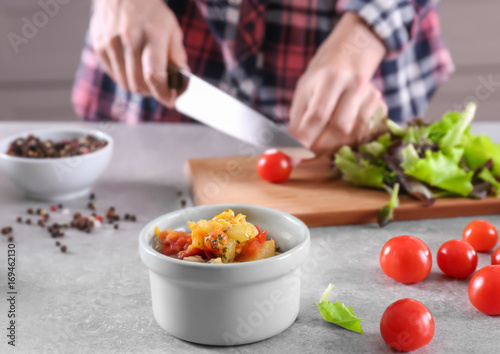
<point x="242" y="232"/>
<point x="267" y="250"/>
<point x="196" y="259"/>
<point x="230" y="254"/>
<point x="200" y="230"/>
<point x="202" y="226"/>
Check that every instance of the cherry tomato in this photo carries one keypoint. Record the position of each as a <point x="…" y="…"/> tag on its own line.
<point x="457" y="258"/>
<point x="481" y="235"/>
<point x="495" y="257"/>
<point x="406" y="259"/>
<point x="274" y="166"/>
<point x="484" y="290"/>
<point x="407" y="325"/>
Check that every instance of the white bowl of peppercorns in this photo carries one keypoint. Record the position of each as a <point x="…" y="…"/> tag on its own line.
<point x="56" y="164"/>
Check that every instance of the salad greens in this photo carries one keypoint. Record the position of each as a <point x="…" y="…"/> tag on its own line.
<point x="338" y="313"/>
<point x="427" y="161"/>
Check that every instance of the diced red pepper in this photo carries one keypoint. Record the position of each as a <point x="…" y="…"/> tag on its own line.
<point x="251" y="247"/>
<point x="191" y="251"/>
<point x="175" y="241"/>
<point x="261" y="236"/>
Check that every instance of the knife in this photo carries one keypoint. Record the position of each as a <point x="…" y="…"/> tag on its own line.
<point x="207" y="104"/>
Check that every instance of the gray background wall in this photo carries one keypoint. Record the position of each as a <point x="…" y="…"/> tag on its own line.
<point x="35" y="83"/>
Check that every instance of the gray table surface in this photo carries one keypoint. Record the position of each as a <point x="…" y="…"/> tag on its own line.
<point x="95" y="298"/>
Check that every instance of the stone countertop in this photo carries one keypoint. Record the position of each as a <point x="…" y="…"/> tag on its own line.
<point x="96" y="298"/>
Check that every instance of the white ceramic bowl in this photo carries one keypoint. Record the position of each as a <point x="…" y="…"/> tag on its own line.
<point x="58" y="178"/>
<point x="227" y="304"/>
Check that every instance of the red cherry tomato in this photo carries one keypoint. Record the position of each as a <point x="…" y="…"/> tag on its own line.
<point x="481" y="235"/>
<point x="495" y="257"/>
<point x="484" y="290"/>
<point x="407" y="325"/>
<point x="406" y="259"/>
<point x="457" y="258"/>
<point x="274" y="166"/>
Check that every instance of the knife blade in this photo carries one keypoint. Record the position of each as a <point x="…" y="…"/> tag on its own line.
<point x="209" y="105"/>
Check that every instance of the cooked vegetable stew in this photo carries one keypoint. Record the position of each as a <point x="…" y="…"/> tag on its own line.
<point x="226" y="238"/>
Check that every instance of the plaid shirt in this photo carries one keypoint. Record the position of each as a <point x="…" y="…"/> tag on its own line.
<point x="257" y="50"/>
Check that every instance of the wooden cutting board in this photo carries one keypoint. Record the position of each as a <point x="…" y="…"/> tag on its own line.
<point x="311" y="195"/>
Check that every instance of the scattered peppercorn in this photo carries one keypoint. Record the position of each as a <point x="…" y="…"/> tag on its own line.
<point x="116" y="226"/>
<point x="76" y="216"/>
<point x="117" y="217"/>
<point x="92" y="206"/>
<point x="11" y="239"/>
<point x="179" y="193"/>
<point x="92" y="196"/>
<point x="38" y="211"/>
<point x="110" y="214"/>
<point x="30" y="211"/>
<point x="64" y="249"/>
<point x="183" y="203"/>
<point x="19" y="219"/>
<point x="41" y="223"/>
<point x="127" y="216"/>
<point x="133" y="218"/>
<point x="28" y="221"/>
<point x="6" y="230"/>
<point x="58" y="243"/>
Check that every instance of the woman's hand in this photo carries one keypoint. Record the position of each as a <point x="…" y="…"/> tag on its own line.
<point x="334" y="100"/>
<point x="135" y="40"/>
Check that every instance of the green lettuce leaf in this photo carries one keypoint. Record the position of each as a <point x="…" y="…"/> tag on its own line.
<point x="386" y="214"/>
<point x="437" y="170"/>
<point x="452" y="131"/>
<point x="377" y="147"/>
<point x="338" y="313"/>
<point x="479" y="149"/>
<point x="359" y="173"/>
<point x="394" y="127"/>
<point x="410" y="157"/>
<point x="415" y="134"/>
<point x="487" y="176"/>
<point x="438" y="129"/>
<point x="374" y="148"/>
<point x="454" y="136"/>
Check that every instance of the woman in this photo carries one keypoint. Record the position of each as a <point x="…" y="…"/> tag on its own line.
<point x="322" y="66"/>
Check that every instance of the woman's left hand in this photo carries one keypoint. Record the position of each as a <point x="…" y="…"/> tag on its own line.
<point x="334" y="100"/>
